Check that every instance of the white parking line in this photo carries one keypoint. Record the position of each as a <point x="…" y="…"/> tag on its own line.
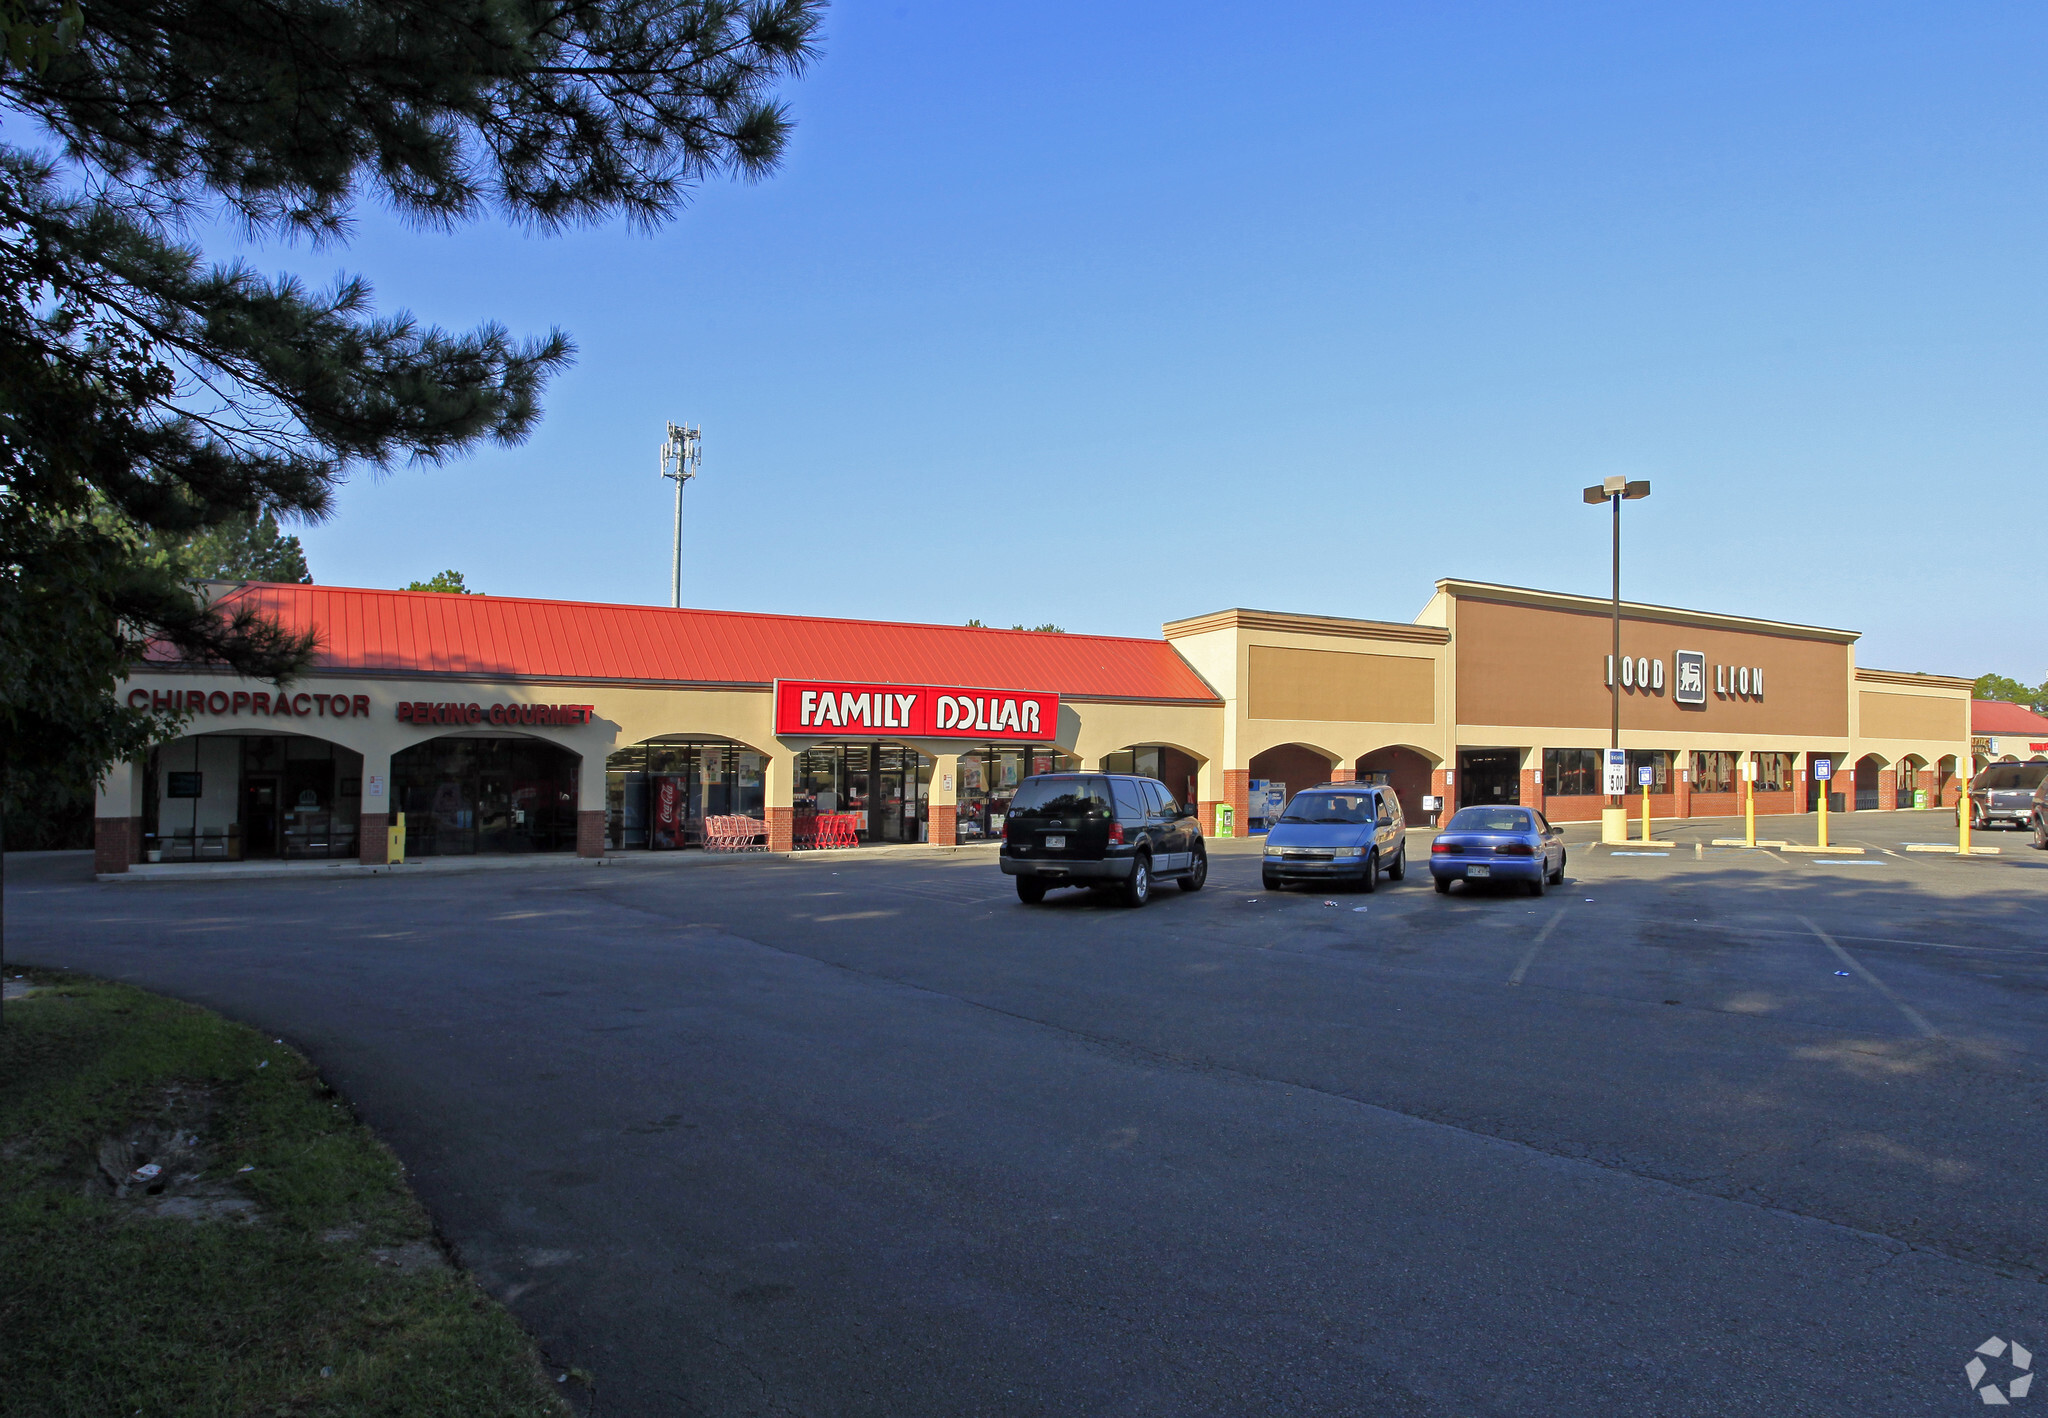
<point x="1913" y="1016"/>
<point x="1536" y="945"/>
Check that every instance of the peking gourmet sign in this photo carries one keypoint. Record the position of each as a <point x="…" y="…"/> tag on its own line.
<point x="815" y="708"/>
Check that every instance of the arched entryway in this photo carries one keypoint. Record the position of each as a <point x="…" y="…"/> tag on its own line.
<point x="1406" y="771"/>
<point x="1285" y="770"/>
<point x="1870" y="770"/>
<point x="1178" y="769"/>
<point x="1911" y="791"/>
<point x="251" y="797"/>
<point x="478" y="795"/>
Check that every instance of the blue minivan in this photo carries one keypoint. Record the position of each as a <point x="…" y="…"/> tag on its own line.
<point x="1338" y="832"/>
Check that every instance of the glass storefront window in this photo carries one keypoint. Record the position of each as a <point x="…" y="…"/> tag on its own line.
<point x="658" y="793"/>
<point x="1715" y="771"/>
<point x="1571" y="772"/>
<point x="887" y="784"/>
<point x="252" y="797"/>
<point x="1658" y="761"/>
<point x="465" y="796"/>
<point x="1774" y="772"/>
<point x="988" y="779"/>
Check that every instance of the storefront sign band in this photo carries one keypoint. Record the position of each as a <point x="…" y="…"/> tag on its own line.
<point x="813" y="708"/>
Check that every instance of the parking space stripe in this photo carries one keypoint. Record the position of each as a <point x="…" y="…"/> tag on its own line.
<point x="1913" y="1016"/>
<point x="1536" y="945"/>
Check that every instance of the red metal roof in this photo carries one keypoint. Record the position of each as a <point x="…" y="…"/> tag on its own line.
<point x="1995" y="716"/>
<point x="423" y="632"/>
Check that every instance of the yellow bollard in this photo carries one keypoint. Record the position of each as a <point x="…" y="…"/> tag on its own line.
<point x="1749" y="804"/>
<point x="1646" y="812"/>
<point x="1824" y="811"/>
<point x="394" y="841"/>
<point x="1962" y="813"/>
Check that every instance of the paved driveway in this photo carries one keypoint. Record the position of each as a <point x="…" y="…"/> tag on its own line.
<point x="1705" y="1133"/>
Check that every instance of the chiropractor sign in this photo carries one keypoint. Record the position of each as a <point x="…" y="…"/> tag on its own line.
<point x="830" y="709"/>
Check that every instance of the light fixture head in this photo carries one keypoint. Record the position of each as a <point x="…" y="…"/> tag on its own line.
<point x="1633" y="491"/>
<point x="1595" y="495"/>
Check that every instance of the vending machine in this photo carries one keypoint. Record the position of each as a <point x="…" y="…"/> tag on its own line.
<point x="666" y="793"/>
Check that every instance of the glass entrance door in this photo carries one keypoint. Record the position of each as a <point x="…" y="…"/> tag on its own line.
<point x="1488" y="777"/>
<point x="259" y="817"/>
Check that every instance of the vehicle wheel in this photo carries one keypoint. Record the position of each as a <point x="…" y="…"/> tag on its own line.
<point x="1138" y="885"/>
<point x="1198" y="875"/>
<point x="1536" y="887"/>
<point x="1399" y="870"/>
<point x="1272" y="883"/>
<point x="1443" y="886"/>
<point x="1557" y="877"/>
<point x="1372" y="874"/>
<point x="2040" y="835"/>
<point x="1030" y="890"/>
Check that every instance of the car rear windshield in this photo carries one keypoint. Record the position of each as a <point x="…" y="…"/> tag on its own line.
<point x="1060" y="797"/>
<point x="1329" y="807"/>
<point x="2014" y="775"/>
<point x="1489" y="819"/>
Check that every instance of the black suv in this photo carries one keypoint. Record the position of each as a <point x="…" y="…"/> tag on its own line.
<point x="1100" y="829"/>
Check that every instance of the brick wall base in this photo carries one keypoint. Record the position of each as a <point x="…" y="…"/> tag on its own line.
<point x="1887" y="789"/>
<point x="116" y="843"/>
<point x="590" y="825"/>
<point x="1206" y="811"/>
<point x="1237" y="791"/>
<point x="373" y="838"/>
<point x="1440" y="784"/>
<point x="945" y="830"/>
<point x="1343" y="773"/>
<point x="782" y="829"/>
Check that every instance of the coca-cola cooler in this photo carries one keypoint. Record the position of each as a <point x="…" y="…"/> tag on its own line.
<point x="665" y="792"/>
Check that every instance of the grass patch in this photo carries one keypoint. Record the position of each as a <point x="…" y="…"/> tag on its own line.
<point x="274" y="1263"/>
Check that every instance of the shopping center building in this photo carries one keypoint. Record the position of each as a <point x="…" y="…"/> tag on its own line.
<point x="500" y="725"/>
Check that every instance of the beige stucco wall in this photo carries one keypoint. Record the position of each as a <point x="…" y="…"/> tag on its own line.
<point x="1221" y="648"/>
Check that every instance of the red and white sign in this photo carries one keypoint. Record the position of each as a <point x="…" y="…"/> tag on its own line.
<point x="822" y="709"/>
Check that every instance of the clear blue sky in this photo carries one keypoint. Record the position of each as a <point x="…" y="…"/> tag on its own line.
<point x="1108" y="315"/>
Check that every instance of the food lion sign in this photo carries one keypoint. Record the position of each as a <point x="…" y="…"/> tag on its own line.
<point x="821" y="708"/>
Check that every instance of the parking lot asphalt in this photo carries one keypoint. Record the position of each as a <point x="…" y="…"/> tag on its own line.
<point x="1705" y="1131"/>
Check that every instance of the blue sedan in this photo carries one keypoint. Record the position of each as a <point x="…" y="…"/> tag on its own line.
<point x="1498" y="844"/>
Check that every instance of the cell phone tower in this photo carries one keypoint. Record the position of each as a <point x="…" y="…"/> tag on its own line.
<point x="682" y="453"/>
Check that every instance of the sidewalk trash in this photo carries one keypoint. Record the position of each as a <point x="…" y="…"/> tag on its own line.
<point x="147" y="1172"/>
<point x="326" y="1371"/>
<point x="250" y="1168"/>
<point x="1841" y="972"/>
<point x="1329" y="903"/>
<point x="1361" y="908"/>
<point x="264" y="1064"/>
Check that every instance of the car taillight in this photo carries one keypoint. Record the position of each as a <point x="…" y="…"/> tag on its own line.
<point x="1515" y="849"/>
<point x="1443" y="847"/>
<point x="1116" y="834"/>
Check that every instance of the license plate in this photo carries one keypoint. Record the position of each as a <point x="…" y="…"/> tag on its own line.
<point x="1055" y="841"/>
<point x="1479" y="871"/>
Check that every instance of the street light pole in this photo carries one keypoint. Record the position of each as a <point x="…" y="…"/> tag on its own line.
<point x="1615" y="491"/>
<point x="681" y="455"/>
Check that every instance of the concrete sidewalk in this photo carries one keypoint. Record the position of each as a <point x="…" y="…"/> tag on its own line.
<point x="149" y="872"/>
